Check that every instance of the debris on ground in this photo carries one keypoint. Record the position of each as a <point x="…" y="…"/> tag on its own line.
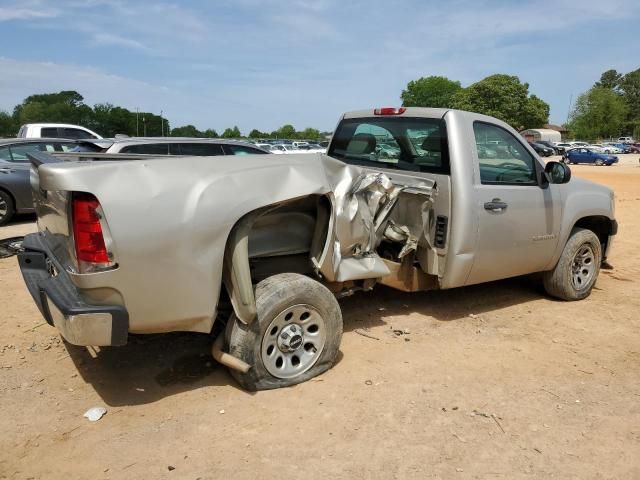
<point x="95" y="413"/>
<point x="365" y="334"/>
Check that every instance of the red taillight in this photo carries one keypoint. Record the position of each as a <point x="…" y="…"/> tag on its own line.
<point x="87" y="230"/>
<point x="389" y="111"/>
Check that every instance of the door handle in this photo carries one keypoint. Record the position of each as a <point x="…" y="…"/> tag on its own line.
<point x="495" y="205"/>
<point x="6" y="170"/>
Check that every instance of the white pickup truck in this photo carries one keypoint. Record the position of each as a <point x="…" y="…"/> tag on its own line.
<point x="142" y="244"/>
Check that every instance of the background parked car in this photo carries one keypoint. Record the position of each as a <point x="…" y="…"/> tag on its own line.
<point x="557" y="150"/>
<point x="611" y="148"/>
<point x="55" y="130"/>
<point x="587" y="155"/>
<point x="634" y="148"/>
<point x="199" y="147"/>
<point x="15" y="189"/>
<point x="542" y="150"/>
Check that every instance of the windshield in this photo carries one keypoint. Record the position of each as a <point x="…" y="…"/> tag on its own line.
<point x="402" y="143"/>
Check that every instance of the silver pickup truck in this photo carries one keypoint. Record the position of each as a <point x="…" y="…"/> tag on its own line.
<point x="412" y="198"/>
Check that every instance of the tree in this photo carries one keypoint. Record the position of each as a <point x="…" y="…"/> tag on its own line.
<point x="110" y="120"/>
<point x="8" y="128"/>
<point x="310" y="134"/>
<point x="186" y="131"/>
<point x="210" y="133"/>
<point x="437" y="92"/>
<point x="630" y="88"/>
<point x="536" y="113"/>
<point x="611" y="80"/>
<point x="62" y="107"/>
<point x="598" y="113"/>
<point x="504" y="97"/>
<point x="257" y="134"/>
<point x="285" y="131"/>
<point x="231" y="133"/>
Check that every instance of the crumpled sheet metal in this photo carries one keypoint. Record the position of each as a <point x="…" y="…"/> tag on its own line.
<point x="363" y="203"/>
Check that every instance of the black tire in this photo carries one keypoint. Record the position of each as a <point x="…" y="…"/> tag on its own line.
<point x="7" y="208"/>
<point x="560" y="282"/>
<point x="275" y="295"/>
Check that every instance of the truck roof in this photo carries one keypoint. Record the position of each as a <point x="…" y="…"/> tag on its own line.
<point x="408" y="112"/>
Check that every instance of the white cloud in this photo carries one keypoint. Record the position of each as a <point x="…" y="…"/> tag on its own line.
<point x="27" y="10"/>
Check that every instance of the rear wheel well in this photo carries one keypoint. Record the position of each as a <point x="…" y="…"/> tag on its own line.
<point x="279" y="238"/>
<point x="286" y="237"/>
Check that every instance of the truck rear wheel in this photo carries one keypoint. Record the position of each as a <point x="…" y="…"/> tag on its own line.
<point x="577" y="270"/>
<point x="295" y="336"/>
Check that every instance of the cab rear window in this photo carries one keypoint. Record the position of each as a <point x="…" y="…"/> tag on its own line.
<point x="399" y="143"/>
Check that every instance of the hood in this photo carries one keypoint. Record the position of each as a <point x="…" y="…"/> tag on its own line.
<point x="582" y="184"/>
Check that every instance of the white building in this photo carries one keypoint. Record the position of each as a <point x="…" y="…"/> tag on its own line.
<point x="537" y="134"/>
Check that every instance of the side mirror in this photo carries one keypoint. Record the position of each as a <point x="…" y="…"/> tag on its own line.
<point x="557" y="172"/>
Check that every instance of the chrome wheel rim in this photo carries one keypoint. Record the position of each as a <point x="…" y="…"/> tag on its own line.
<point x="3" y="208"/>
<point x="293" y="341"/>
<point x="583" y="267"/>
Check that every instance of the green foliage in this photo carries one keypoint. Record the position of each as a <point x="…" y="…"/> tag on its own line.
<point x="630" y="89"/>
<point x="8" y="127"/>
<point x="504" y="97"/>
<point x="257" y="134"/>
<point x="610" y="79"/>
<point x="286" y="131"/>
<point x="232" y="133"/>
<point x="309" y="134"/>
<point x="592" y="110"/>
<point x="109" y="120"/>
<point x="598" y="113"/>
<point x="434" y="91"/>
<point x="62" y="107"/>
<point x="191" y="131"/>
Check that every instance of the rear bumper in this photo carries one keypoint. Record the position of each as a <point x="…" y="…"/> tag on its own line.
<point x="61" y="304"/>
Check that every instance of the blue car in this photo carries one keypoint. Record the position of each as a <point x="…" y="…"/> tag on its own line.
<point x="623" y="146"/>
<point x="586" y="155"/>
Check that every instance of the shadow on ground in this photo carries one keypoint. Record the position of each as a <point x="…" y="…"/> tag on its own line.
<point x="151" y="367"/>
<point x="368" y="309"/>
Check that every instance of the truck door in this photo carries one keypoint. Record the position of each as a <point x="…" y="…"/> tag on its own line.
<point x="518" y="221"/>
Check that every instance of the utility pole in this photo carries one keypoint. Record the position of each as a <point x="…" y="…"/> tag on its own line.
<point x="144" y="125"/>
<point x="161" y="125"/>
<point x="137" y="122"/>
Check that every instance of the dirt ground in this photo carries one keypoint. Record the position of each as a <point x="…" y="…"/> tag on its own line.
<point x="491" y="381"/>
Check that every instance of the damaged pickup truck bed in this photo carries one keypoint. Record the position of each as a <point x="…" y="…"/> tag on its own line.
<point x="404" y="197"/>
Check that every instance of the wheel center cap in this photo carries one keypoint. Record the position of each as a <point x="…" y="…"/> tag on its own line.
<point x="290" y="338"/>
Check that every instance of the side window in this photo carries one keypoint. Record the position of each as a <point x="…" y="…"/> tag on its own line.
<point x="5" y="154"/>
<point x="147" y="149"/>
<point x="65" y="147"/>
<point x="49" y="132"/>
<point x="201" y="149"/>
<point x="75" y="133"/>
<point x="502" y="158"/>
<point x="19" y="152"/>
<point x="242" y="150"/>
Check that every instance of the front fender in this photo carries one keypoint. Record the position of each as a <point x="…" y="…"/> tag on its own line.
<point x="581" y="199"/>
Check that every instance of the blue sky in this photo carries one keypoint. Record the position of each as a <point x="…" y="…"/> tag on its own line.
<point x="260" y="64"/>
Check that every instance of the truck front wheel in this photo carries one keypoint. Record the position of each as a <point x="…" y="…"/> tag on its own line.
<point x="577" y="270"/>
<point x="295" y="336"/>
